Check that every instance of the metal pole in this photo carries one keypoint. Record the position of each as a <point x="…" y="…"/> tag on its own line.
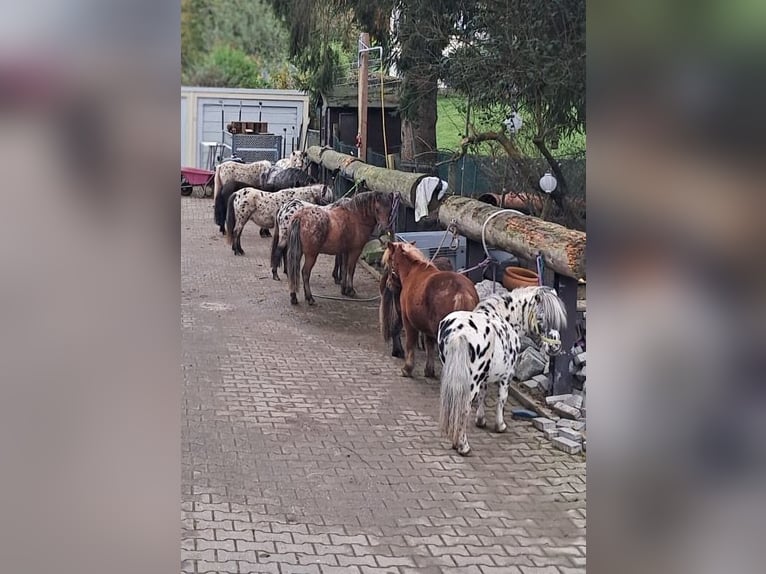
<point x="364" y="58"/>
<point x="284" y="141"/>
<point x="260" y="111"/>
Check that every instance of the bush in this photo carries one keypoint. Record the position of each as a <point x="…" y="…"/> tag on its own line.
<point x="227" y="67"/>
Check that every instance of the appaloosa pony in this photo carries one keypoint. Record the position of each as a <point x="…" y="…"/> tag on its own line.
<point x="427" y="296"/>
<point x="279" y="242"/>
<point x="249" y="173"/>
<point x="298" y="159"/>
<point x="390" y="313"/>
<point x="262" y="206"/>
<point x="481" y="347"/>
<point x="340" y="230"/>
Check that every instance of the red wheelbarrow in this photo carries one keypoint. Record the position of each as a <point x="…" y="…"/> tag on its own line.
<point x="192" y="177"/>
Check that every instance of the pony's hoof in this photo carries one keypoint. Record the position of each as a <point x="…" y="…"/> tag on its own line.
<point x="337" y="280"/>
<point x="430" y="374"/>
<point x="398" y="353"/>
<point x="350" y="292"/>
<point x="274" y="276"/>
<point x="501" y="427"/>
<point x="481" y="423"/>
<point x="311" y="301"/>
<point x="463" y="449"/>
<point x="293" y="298"/>
<point x="406" y="372"/>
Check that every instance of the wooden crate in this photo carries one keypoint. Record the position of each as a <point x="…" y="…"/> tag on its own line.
<point x="248" y="127"/>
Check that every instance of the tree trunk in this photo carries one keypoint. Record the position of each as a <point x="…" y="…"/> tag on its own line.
<point x="563" y="249"/>
<point x="374" y="178"/>
<point x="419" y="133"/>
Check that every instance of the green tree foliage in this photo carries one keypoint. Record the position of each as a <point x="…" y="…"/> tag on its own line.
<point x="524" y="54"/>
<point x="234" y="43"/>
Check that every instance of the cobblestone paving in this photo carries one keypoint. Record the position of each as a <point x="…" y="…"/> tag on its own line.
<point x="305" y="451"/>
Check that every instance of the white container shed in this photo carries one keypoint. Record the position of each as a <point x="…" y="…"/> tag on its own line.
<point x="205" y="112"/>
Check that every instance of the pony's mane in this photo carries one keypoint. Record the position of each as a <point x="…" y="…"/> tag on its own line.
<point x="551" y="307"/>
<point x="365" y="201"/>
<point x="414" y="254"/>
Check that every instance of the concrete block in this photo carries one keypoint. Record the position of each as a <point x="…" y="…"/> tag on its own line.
<point x="526" y="342"/>
<point x="574" y="401"/>
<point x="566" y="411"/>
<point x="579" y="359"/>
<point x="571" y="434"/>
<point x="550" y="434"/>
<point x="544" y="384"/>
<point x="529" y="385"/>
<point x="568" y="446"/>
<point x="543" y="423"/>
<point x="552" y="400"/>
<point x="531" y="362"/>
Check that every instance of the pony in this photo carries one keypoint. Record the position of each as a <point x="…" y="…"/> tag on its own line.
<point x="296" y="159"/>
<point x="389" y="311"/>
<point x="277" y="179"/>
<point x="341" y="229"/>
<point x="279" y="241"/>
<point x="222" y="200"/>
<point x="427" y="295"/>
<point x="262" y="207"/>
<point x="482" y="347"/>
<point x="249" y="173"/>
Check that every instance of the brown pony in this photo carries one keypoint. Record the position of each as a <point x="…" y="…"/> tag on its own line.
<point x="390" y="313"/>
<point x="427" y="296"/>
<point x="340" y="230"/>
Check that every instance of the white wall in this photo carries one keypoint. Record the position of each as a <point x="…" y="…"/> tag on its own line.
<point x="201" y="116"/>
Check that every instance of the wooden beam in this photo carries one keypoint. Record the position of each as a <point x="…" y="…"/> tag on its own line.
<point x="563" y="249"/>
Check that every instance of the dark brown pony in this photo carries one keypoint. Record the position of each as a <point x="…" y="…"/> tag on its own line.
<point x="390" y="313"/>
<point x="342" y="229"/>
<point x="427" y="296"/>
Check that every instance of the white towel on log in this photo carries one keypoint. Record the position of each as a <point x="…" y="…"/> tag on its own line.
<point x="424" y="192"/>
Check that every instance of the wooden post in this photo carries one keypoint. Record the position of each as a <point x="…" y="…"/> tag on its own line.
<point x="566" y="287"/>
<point x="364" y="58"/>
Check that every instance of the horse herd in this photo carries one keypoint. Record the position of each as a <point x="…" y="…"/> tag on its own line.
<point x="478" y="341"/>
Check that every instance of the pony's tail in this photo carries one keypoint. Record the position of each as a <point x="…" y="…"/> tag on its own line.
<point x="230" y="219"/>
<point x="216" y="183"/>
<point x="219" y="210"/>
<point x="276" y="250"/>
<point x="455" y="388"/>
<point x="294" y="251"/>
<point x="387" y="314"/>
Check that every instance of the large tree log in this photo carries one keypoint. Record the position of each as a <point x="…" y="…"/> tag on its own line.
<point x="563" y="249"/>
<point x="375" y="178"/>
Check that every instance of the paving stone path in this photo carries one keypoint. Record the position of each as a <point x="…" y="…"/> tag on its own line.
<point x="304" y="450"/>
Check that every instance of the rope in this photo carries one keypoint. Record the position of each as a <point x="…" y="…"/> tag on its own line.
<point x="353" y="187"/>
<point x="334" y="298"/>
<point x="383" y="113"/>
<point x="484" y="263"/>
<point x="394" y="214"/>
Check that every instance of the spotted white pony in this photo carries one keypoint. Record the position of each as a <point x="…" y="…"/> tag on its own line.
<point x="249" y="173"/>
<point x="262" y="207"/>
<point x="482" y="347"/>
<point x="297" y="159"/>
<point x="279" y="241"/>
